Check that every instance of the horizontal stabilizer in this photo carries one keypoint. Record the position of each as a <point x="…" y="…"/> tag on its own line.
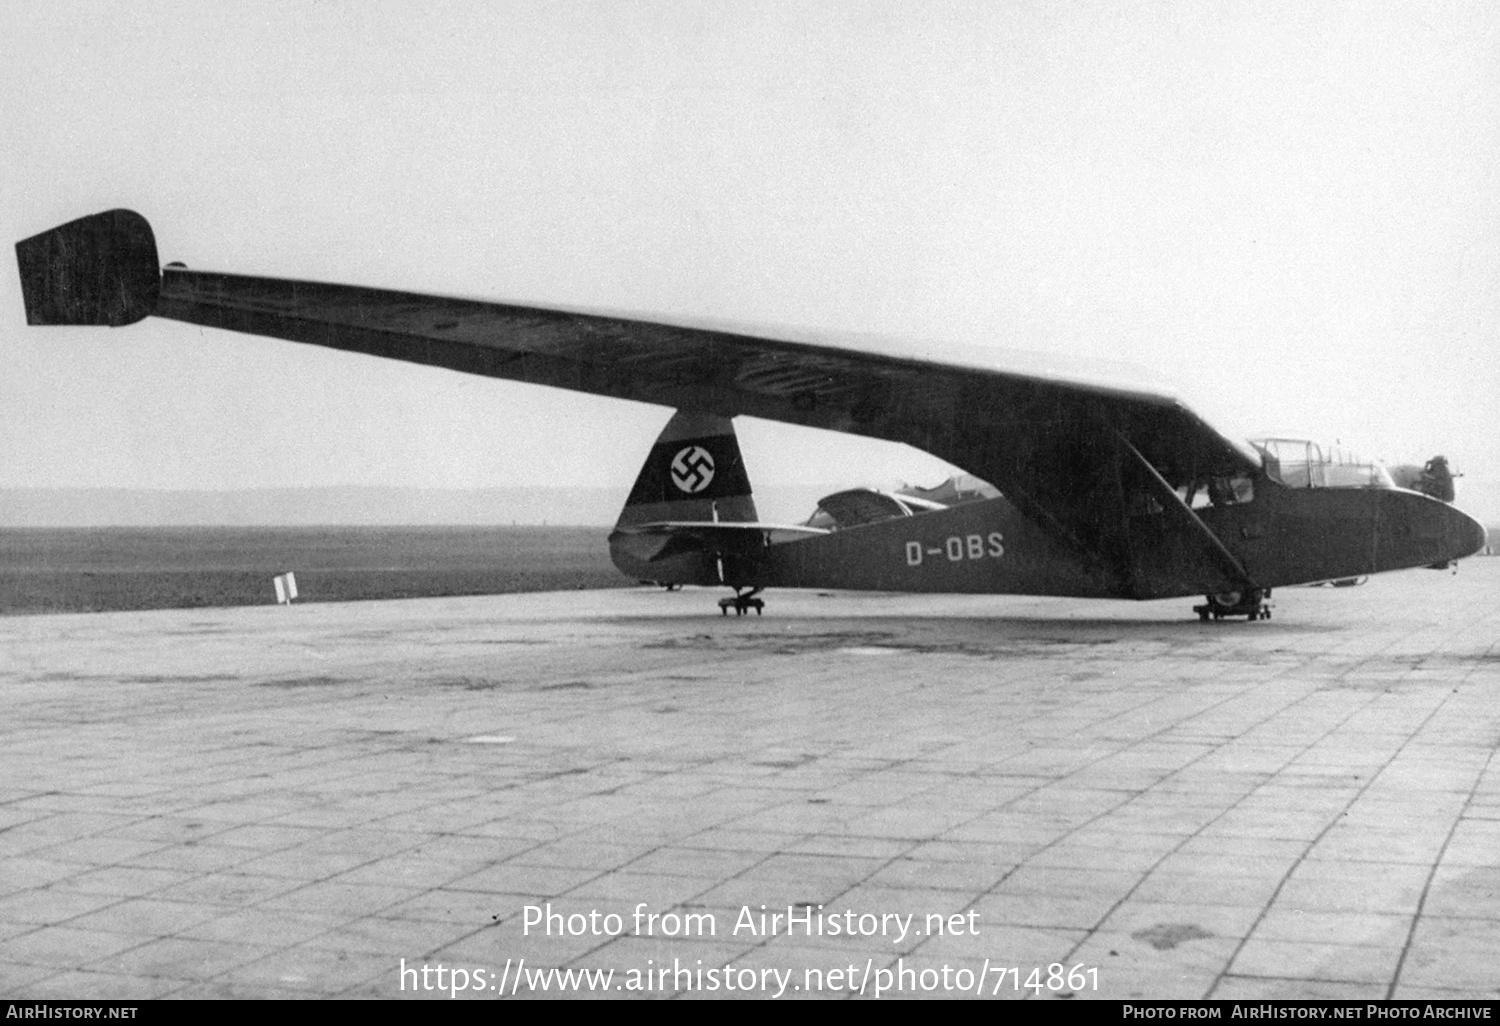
<point x="720" y="529"/>
<point x="97" y="270"/>
<point x="662" y="540"/>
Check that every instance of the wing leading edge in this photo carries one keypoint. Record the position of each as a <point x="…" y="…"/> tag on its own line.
<point x="1066" y="453"/>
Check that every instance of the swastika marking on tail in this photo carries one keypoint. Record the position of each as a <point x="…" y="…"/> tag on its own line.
<point x="692" y="469"/>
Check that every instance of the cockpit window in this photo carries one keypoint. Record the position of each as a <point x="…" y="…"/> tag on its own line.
<point x="1228" y="491"/>
<point x="1218" y="491"/>
<point x="1298" y="463"/>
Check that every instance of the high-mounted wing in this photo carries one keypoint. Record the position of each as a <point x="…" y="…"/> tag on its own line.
<point x="1071" y="456"/>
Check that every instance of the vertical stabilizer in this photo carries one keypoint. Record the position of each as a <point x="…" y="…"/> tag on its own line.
<point x="694" y="473"/>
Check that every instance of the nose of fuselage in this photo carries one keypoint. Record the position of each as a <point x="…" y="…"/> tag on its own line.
<point x="1428" y="532"/>
<point x="1465" y="535"/>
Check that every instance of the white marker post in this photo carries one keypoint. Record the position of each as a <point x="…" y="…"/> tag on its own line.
<point x="286" y="588"/>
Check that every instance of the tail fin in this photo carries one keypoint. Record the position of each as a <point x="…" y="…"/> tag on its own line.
<point x="694" y="473"/>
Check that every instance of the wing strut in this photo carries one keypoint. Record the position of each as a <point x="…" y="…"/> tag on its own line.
<point x="1173" y="502"/>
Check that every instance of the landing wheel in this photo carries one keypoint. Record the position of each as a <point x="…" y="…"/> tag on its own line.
<point x="742" y="603"/>
<point x="1252" y="605"/>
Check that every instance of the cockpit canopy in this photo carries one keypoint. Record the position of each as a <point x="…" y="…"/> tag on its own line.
<point x="1298" y="463"/>
<point x="858" y="506"/>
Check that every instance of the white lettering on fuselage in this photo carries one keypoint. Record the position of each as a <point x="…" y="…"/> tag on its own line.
<point x="958" y="548"/>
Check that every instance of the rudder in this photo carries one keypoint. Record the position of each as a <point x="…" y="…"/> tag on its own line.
<point x="693" y="473"/>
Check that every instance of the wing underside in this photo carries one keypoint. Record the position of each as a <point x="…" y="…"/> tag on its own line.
<point x="1071" y="456"/>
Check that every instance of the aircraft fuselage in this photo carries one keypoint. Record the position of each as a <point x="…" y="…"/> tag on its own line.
<point x="1284" y="536"/>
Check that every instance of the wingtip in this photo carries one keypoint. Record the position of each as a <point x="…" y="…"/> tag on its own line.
<point x="97" y="270"/>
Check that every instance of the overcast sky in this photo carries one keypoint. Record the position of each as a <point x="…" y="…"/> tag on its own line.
<point x="1292" y="211"/>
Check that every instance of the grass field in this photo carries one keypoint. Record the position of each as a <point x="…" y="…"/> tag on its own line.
<point x="44" y="570"/>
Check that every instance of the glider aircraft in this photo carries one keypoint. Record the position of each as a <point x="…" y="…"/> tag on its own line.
<point x="1105" y="492"/>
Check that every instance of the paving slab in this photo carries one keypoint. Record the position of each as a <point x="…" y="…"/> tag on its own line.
<point x="622" y="793"/>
